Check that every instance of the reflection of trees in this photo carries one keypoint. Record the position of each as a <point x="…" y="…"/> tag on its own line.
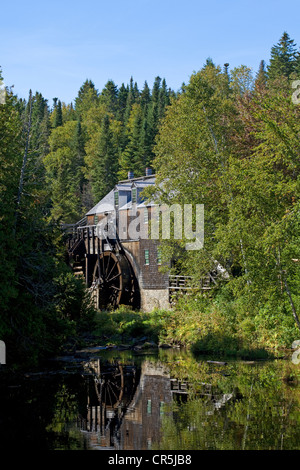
<point x="182" y="404"/>
<point x="263" y="415"/>
<point x="174" y="402"/>
<point x="65" y="411"/>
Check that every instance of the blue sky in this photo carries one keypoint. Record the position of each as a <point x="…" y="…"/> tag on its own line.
<point x="53" y="47"/>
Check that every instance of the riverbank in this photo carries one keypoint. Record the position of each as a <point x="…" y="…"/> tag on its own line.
<point x="202" y="334"/>
<point x="205" y="326"/>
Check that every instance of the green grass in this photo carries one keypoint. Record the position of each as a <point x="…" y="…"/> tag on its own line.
<point x="125" y="326"/>
<point x="221" y="325"/>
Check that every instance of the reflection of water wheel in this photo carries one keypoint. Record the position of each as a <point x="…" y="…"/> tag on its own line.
<point x="112" y="386"/>
<point x="113" y="280"/>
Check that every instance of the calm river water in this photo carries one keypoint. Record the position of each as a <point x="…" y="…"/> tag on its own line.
<point x="159" y="400"/>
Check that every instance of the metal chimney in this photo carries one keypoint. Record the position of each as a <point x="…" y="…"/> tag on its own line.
<point x="130" y="174"/>
<point x="148" y="171"/>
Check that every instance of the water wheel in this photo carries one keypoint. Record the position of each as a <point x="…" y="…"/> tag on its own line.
<point x="111" y="387"/>
<point x="112" y="280"/>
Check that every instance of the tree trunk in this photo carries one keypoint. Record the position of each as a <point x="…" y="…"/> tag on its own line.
<point x="291" y="302"/>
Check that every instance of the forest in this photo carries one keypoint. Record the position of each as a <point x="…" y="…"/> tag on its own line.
<point x="229" y="139"/>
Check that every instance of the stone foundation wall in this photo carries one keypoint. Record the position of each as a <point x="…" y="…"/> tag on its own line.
<point x="154" y="298"/>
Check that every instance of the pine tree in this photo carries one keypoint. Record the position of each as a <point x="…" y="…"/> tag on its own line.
<point x="64" y="172"/>
<point x="40" y="124"/>
<point x="153" y="111"/>
<point x="163" y="99"/>
<point x="130" y="157"/>
<point x="45" y="130"/>
<point x="86" y="97"/>
<point x="283" y="58"/>
<point x="145" y="98"/>
<point x="104" y="165"/>
<point x="68" y="112"/>
<point x="11" y="149"/>
<point x="261" y="76"/>
<point x="122" y="100"/>
<point x="58" y="119"/>
<point x="297" y="66"/>
<point x="109" y="96"/>
<point x="132" y="97"/>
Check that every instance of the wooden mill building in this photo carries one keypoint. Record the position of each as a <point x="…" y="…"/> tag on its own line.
<point x="109" y="247"/>
<point x="112" y="249"/>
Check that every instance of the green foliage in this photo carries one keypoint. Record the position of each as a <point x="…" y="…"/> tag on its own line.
<point x="41" y="302"/>
<point x="102" y="160"/>
<point x="261" y="412"/>
<point x="234" y="147"/>
<point x="10" y="166"/>
<point x="64" y="172"/>
<point x="127" y="326"/>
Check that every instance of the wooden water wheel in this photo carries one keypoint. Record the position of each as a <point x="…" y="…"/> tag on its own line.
<point x="112" y="280"/>
<point x="111" y="387"/>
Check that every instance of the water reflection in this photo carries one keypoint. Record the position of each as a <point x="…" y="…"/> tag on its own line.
<point x="166" y="401"/>
<point x="125" y="404"/>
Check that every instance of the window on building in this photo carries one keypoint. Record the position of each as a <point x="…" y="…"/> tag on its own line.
<point x="149" y="407"/>
<point x="116" y="198"/>
<point x="134" y="195"/>
<point x="147" y="257"/>
<point x="158" y="255"/>
<point x="96" y="220"/>
<point x="146" y="216"/>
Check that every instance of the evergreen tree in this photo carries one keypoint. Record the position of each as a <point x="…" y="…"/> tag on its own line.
<point x="58" y="119"/>
<point x="122" y="100"/>
<point x="153" y="110"/>
<point x="64" y="172"/>
<point x="45" y="130"/>
<point x="103" y="166"/>
<point x="145" y="98"/>
<point x="261" y="76"/>
<point x="40" y="130"/>
<point x="130" y="157"/>
<point x="132" y="97"/>
<point x="68" y="112"/>
<point x="163" y="99"/>
<point x="10" y="166"/>
<point x="109" y="96"/>
<point x="297" y="66"/>
<point x="86" y="97"/>
<point x="283" y="58"/>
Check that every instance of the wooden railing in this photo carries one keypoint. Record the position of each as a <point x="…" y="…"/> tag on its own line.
<point x="178" y="282"/>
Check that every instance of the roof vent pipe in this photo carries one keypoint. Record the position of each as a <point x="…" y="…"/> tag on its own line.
<point x="148" y="171"/>
<point x="130" y="174"/>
